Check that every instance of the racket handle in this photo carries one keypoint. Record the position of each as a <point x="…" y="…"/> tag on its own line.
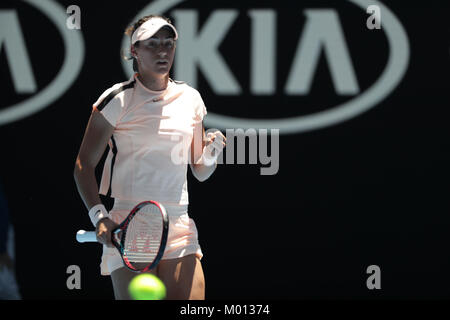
<point x="86" y="236"/>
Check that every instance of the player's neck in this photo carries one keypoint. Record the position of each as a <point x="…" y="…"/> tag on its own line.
<point x="154" y="83"/>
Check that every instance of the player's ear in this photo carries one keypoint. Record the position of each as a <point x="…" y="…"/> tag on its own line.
<point x="133" y="51"/>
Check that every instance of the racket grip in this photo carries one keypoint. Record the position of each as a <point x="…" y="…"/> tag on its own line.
<point x="86" y="236"/>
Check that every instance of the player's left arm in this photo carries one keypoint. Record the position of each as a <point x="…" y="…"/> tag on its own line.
<point x="205" y="149"/>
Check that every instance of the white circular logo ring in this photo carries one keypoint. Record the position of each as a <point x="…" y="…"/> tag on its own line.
<point x="73" y="61"/>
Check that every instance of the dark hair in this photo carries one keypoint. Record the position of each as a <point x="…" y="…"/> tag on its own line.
<point x="130" y="30"/>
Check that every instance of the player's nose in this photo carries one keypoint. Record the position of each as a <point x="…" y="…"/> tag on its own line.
<point x="162" y="54"/>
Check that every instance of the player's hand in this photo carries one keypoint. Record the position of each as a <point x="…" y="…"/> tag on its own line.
<point x="214" y="143"/>
<point x="104" y="229"/>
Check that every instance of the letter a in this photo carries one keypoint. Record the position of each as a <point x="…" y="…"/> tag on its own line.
<point x="374" y="21"/>
<point x="374" y="281"/>
<point x="74" y="21"/>
<point x="74" y="280"/>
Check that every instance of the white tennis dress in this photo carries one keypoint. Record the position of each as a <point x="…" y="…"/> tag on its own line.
<point x="143" y="162"/>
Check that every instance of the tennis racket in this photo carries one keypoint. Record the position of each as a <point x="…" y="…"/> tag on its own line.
<point x="141" y="238"/>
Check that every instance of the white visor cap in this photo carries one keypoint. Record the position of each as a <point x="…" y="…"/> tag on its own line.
<point x="149" y="28"/>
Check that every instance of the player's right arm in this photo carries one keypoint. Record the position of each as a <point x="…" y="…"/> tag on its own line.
<point x="96" y="137"/>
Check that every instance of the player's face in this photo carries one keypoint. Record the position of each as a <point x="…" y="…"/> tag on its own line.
<point x="156" y="53"/>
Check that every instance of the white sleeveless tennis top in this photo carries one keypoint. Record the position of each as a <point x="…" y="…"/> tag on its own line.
<point x="149" y="126"/>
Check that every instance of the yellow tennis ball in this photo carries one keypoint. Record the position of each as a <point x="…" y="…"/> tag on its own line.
<point x="147" y="286"/>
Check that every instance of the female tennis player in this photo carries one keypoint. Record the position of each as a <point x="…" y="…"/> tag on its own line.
<point x="144" y="121"/>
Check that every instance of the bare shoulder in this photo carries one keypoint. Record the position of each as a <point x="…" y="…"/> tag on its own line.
<point x="98" y="125"/>
<point x="96" y="136"/>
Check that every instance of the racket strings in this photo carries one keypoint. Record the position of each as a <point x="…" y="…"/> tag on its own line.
<point x="143" y="237"/>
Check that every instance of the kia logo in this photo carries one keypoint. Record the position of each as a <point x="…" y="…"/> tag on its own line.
<point x="198" y="50"/>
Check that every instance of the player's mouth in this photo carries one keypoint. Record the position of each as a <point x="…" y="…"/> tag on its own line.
<point x="162" y="63"/>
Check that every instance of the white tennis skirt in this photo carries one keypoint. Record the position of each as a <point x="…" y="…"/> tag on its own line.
<point x="182" y="239"/>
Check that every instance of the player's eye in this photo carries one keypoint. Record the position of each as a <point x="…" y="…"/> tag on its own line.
<point x="153" y="43"/>
<point x="169" y="43"/>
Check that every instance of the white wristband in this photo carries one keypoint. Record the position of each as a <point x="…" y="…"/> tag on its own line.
<point x="98" y="212"/>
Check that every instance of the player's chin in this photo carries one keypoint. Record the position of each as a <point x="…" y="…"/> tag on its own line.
<point x="162" y="69"/>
